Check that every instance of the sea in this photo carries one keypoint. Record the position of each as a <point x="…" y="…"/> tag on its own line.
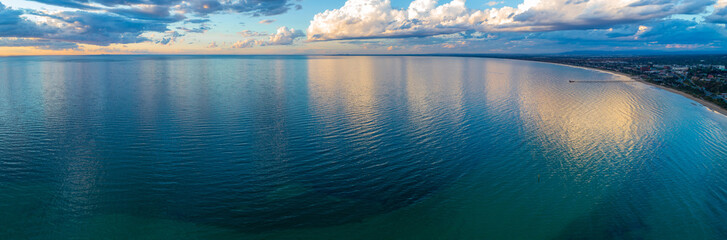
<point x="351" y="147"/>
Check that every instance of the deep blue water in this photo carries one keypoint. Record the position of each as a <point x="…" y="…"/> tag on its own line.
<point x="266" y="147"/>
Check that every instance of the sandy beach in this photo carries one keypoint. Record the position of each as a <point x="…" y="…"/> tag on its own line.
<point x="711" y="106"/>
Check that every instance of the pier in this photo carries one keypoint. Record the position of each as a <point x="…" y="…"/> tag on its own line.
<point x="605" y="81"/>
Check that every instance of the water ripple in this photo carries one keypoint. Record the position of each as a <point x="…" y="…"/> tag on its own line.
<point x="322" y="147"/>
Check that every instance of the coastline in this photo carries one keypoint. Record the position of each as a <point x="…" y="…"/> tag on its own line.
<point x="709" y="105"/>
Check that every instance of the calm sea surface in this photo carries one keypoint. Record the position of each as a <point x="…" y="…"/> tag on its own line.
<point x="173" y="147"/>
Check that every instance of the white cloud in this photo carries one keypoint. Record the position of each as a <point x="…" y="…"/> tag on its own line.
<point x="377" y="19"/>
<point x="493" y="3"/>
<point x="266" y="21"/>
<point x="248" y="33"/>
<point x="247" y="43"/>
<point x="284" y="36"/>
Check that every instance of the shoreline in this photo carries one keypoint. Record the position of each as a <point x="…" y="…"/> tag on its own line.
<point x="709" y="105"/>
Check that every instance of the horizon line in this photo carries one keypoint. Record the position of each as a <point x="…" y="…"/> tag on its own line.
<point x="563" y="54"/>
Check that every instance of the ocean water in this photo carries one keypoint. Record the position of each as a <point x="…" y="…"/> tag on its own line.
<point x="296" y="147"/>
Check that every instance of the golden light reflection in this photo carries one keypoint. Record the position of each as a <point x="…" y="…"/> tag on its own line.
<point x="419" y="96"/>
<point x="498" y="80"/>
<point x="182" y="46"/>
<point x="429" y="83"/>
<point x="346" y="82"/>
<point x="583" y="120"/>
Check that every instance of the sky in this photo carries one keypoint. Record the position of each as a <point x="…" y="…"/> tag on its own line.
<point x="57" y="27"/>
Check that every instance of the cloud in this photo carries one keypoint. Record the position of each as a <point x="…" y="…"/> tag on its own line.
<point x="261" y="7"/>
<point x="360" y="19"/>
<point x="570" y="14"/>
<point x="95" y="28"/>
<point x="247" y="43"/>
<point x="669" y="34"/>
<point x="164" y="41"/>
<point x="38" y="43"/>
<point x="672" y="34"/>
<point x="284" y="36"/>
<point x="171" y="37"/>
<point x="149" y="12"/>
<point x="85" y="5"/>
<point x="199" y="7"/>
<point x="201" y="29"/>
<point x="13" y="25"/>
<point x="212" y="45"/>
<point x="656" y="32"/>
<point x="248" y="33"/>
<point x="199" y="20"/>
<point x="493" y="3"/>
<point x="105" y="22"/>
<point x="677" y="31"/>
<point x="99" y="28"/>
<point x="720" y="13"/>
<point x="533" y="25"/>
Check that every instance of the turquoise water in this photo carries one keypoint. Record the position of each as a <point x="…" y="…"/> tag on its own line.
<point x="262" y="147"/>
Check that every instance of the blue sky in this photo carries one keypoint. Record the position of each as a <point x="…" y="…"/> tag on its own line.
<point x="359" y="26"/>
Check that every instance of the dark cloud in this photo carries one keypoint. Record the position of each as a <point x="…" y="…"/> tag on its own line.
<point x="151" y="12"/>
<point x="77" y="27"/>
<point x="170" y="37"/>
<point x="201" y="29"/>
<point x="199" y="7"/>
<point x="658" y="32"/>
<point x="39" y="43"/>
<point x="694" y="6"/>
<point x="718" y="16"/>
<point x="103" y="29"/>
<point x="642" y="3"/>
<point x="655" y="34"/>
<point x="104" y="22"/>
<point x="677" y="31"/>
<point x="199" y="20"/>
<point x="642" y="11"/>
<point x="84" y="5"/>
<point x="204" y="7"/>
<point x="262" y="7"/>
<point x="681" y="6"/>
<point x="662" y="35"/>
<point x="164" y="41"/>
<point x="13" y="25"/>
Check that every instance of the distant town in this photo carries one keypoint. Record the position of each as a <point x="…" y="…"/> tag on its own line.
<point x="703" y="76"/>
